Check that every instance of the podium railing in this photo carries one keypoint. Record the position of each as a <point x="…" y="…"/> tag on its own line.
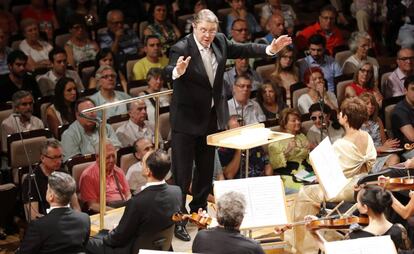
<point x="102" y="139"/>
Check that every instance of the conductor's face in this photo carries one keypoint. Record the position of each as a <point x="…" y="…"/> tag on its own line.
<point x="205" y="32"/>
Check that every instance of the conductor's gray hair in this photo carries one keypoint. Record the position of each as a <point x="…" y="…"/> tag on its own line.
<point x="63" y="186"/>
<point x="231" y="207"/>
<point x="355" y="40"/>
<point x="205" y="15"/>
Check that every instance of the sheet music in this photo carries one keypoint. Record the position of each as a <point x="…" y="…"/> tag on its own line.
<point x="366" y="245"/>
<point x="111" y="219"/>
<point x="265" y="199"/>
<point x="326" y="165"/>
<point x="247" y="136"/>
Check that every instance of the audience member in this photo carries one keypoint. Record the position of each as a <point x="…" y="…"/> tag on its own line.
<point x="137" y="126"/>
<point x="106" y="77"/>
<point x="289" y="156"/>
<point x="325" y="27"/>
<point x="275" y="26"/>
<point x="62" y="109"/>
<point x="82" y="135"/>
<point x="79" y="48"/>
<point x="134" y="175"/>
<point x="239" y="11"/>
<point x="36" y="49"/>
<point x="275" y="6"/>
<point x="323" y="126"/>
<point x="8" y="23"/>
<point x="402" y="117"/>
<point x="198" y="6"/>
<point x="234" y="163"/>
<point x="117" y="189"/>
<point x="231" y="208"/>
<point x="106" y="57"/>
<point x="21" y="119"/>
<point x="394" y="85"/>
<point x="241" y="67"/>
<point x="270" y="98"/>
<point x="364" y="82"/>
<point x="47" y="81"/>
<point x="366" y="12"/>
<point x="51" y="156"/>
<point x="18" y="77"/>
<point x="240" y="31"/>
<point x="154" y="58"/>
<point x="161" y="26"/>
<point x="62" y="230"/>
<point x="241" y="104"/>
<point x="318" y="57"/>
<point x="317" y="91"/>
<point x="45" y="16"/>
<point x="4" y="52"/>
<point x="147" y="213"/>
<point x="359" y="44"/>
<point x="81" y="8"/>
<point x="356" y="155"/>
<point x="155" y="81"/>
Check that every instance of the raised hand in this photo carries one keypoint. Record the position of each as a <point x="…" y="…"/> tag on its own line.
<point x="182" y="65"/>
<point x="280" y="43"/>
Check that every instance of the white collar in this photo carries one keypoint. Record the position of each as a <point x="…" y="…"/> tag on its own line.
<point x="48" y="210"/>
<point x="152" y="184"/>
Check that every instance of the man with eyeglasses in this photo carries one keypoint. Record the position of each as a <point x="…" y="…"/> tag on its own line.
<point x="153" y="58"/>
<point x="394" y="85"/>
<point x="22" y="116"/>
<point x="240" y="33"/>
<point x="275" y="25"/>
<point x="198" y="107"/>
<point x="325" y="27"/>
<point x="51" y="156"/>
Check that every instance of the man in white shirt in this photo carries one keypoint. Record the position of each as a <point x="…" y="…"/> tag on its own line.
<point x="394" y="85"/>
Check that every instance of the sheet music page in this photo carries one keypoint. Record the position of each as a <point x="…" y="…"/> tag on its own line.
<point x="326" y="166"/>
<point x="265" y="199"/>
<point x="366" y="245"/>
<point x="111" y="219"/>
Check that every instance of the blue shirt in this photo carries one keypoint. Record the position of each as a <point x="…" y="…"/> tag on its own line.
<point x="4" y="68"/>
<point x="128" y="45"/>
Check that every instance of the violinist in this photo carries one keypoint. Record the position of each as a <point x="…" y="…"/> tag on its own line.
<point x="356" y="154"/>
<point x="373" y="201"/>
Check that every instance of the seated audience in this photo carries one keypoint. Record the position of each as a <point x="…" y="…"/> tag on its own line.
<point x="154" y="58"/>
<point x="106" y="81"/>
<point x="62" y="230"/>
<point x="318" y="57"/>
<point x="234" y="163"/>
<point x="82" y="135"/>
<point x="402" y="118"/>
<point x="364" y="82"/>
<point x="18" y="77"/>
<point x="79" y="48"/>
<point x="147" y="213"/>
<point x="366" y="12"/>
<point x="286" y="72"/>
<point x="155" y="81"/>
<point x="325" y="27"/>
<point x="137" y="126"/>
<point x="8" y="22"/>
<point x="356" y="155"/>
<point x="117" y="188"/>
<point x="22" y="116"/>
<point x="36" y="49"/>
<point x="82" y="8"/>
<point x="317" y="91"/>
<point x="198" y="6"/>
<point x="231" y="208"/>
<point x="359" y="44"/>
<point x="40" y="11"/>
<point x="62" y="109"/>
<point x="241" y="67"/>
<point x="239" y="11"/>
<point x="290" y="155"/>
<point x="375" y="129"/>
<point x="106" y="57"/>
<point x="240" y="34"/>
<point x="134" y="175"/>
<point x="394" y="85"/>
<point x="275" y="6"/>
<point x="50" y="161"/>
<point x="275" y="26"/>
<point x="323" y="126"/>
<point x="4" y="52"/>
<point x="241" y="104"/>
<point x="58" y="60"/>
<point x="372" y="201"/>
<point x="161" y="26"/>
<point x="270" y="100"/>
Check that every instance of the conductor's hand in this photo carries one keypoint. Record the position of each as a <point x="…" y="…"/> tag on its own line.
<point x="182" y="65"/>
<point x="280" y="43"/>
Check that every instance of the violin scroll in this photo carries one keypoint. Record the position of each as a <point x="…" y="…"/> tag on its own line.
<point x="409" y="146"/>
<point x="202" y="220"/>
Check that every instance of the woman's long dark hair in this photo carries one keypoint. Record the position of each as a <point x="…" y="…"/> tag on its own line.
<point x="66" y="113"/>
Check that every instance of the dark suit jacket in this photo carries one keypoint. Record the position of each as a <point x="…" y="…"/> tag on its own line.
<point x="148" y="212"/>
<point x="63" y="230"/>
<point x="191" y="102"/>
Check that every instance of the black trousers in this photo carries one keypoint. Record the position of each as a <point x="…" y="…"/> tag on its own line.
<point x="186" y="149"/>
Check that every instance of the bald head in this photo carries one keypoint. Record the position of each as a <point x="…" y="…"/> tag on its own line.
<point x="276" y="25"/>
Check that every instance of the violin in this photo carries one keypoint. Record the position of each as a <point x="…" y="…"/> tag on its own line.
<point x="337" y="223"/>
<point x="409" y="146"/>
<point x="201" y="220"/>
<point x="397" y="183"/>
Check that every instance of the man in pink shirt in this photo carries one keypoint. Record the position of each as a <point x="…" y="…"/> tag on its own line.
<point x="117" y="189"/>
